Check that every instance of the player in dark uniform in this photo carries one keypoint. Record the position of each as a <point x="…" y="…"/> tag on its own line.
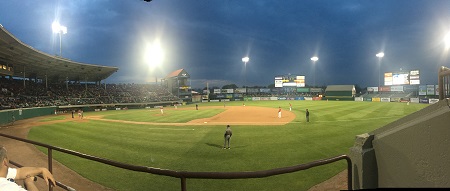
<point x="307" y="115"/>
<point x="227" y="136"/>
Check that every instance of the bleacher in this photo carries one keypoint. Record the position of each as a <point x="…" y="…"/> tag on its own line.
<point x="14" y="95"/>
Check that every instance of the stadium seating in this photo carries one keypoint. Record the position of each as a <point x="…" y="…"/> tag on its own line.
<point x="35" y="94"/>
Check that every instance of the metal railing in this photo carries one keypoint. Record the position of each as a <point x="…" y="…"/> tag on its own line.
<point x="183" y="175"/>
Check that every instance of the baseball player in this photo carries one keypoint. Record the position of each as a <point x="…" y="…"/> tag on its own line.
<point x="279" y="112"/>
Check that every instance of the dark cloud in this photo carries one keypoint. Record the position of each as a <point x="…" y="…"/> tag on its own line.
<point x="208" y="38"/>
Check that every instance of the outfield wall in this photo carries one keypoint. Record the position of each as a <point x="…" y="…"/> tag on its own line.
<point x="411" y="100"/>
<point x="24" y="113"/>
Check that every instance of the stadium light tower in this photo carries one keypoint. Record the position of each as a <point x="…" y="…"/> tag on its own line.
<point x="379" y="55"/>
<point x="57" y="28"/>
<point x="245" y="60"/>
<point x="314" y="59"/>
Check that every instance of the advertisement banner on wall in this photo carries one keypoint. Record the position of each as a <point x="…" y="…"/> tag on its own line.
<point x="385" y="99"/>
<point x="375" y="99"/>
<point x="437" y="89"/>
<point x="367" y="99"/>
<point x="414" y="100"/>
<point x="385" y="88"/>
<point x="396" y="88"/>
<point x="252" y="90"/>
<point x="316" y="90"/>
<point x="430" y="89"/>
<point x="372" y="89"/>
<point x="216" y="91"/>
<point x="359" y="99"/>
<point x="305" y="90"/>
<point x="423" y="100"/>
<point x="395" y="99"/>
<point x="422" y="90"/>
<point x="300" y="98"/>
<point x="431" y="101"/>
<point x="264" y="90"/>
<point x="240" y="90"/>
<point x="256" y="98"/>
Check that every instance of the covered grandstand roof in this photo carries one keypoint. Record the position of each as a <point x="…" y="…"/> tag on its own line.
<point x="178" y="73"/>
<point x="37" y="64"/>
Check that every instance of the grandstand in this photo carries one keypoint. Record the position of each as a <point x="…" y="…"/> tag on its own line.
<point x="31" y="78"/>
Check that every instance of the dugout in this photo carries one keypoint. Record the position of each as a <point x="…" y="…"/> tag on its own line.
<point x="340" y="92"/>
<point x="179" y="84"/>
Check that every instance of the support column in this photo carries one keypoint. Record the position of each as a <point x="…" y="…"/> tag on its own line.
<point x="365" y="170"/>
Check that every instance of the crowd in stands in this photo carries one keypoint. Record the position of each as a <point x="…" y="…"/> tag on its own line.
<point x="14" y="94"/>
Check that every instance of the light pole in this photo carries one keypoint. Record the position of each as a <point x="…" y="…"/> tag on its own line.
<point x="314" y="59"/>
<point x="245" y="60"/>
<point x="57" y="28"/>
<point x="379" y="55"/>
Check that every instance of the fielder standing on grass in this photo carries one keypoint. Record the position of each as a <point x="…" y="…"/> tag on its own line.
<point x="307" y="115"/>
<point x="227" y="136"/>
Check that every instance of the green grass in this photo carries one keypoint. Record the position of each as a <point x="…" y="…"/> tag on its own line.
<point x="331" y="132"/>
<point x="53" y="118"/>
<point x="170" y="116"/>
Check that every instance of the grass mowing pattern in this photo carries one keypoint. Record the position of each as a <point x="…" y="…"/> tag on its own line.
<point x="331" y="132"/>
<point x="169" y="116"/>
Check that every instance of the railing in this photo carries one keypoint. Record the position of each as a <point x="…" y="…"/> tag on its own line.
<point x="183" y="175"/>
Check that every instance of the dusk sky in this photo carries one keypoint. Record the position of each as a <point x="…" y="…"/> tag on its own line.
<point x="209" y="38"/>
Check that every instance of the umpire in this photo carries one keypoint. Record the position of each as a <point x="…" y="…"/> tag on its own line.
<point x="227" y="136"/>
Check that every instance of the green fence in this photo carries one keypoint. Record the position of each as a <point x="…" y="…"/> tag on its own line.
<point x="6" y="116"/>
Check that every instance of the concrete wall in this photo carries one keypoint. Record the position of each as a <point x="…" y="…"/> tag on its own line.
<point x="411" y="152"/>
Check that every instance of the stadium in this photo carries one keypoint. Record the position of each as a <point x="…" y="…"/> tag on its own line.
<point x="58" y="114"/>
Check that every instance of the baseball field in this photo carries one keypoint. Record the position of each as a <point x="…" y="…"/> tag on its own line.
<point x="186" y="139"/>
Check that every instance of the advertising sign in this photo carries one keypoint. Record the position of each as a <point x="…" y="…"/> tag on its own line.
<point x="396" y="88"/>
<point x="422" y="90"/>
<point x="430" y="90"/>
<point x="414" y="77"/>
<point x="240" y="90"/>
<point x="388" y="79"/>
<point x="372" y="89"/>
<point x="264" y="90"/>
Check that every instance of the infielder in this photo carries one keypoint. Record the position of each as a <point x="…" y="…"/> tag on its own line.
<point x="227" y="136"/>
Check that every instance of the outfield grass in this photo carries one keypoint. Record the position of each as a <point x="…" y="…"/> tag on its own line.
<point x="331" y="132"/>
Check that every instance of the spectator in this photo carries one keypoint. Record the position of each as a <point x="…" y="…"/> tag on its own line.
<point x="27" y="174"/>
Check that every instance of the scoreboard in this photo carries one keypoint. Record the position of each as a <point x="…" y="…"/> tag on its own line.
<point x="289" y="81"/>
<point x="401" y="78"/>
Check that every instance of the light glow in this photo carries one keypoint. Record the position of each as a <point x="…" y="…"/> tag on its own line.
<point x="245" y="59"/>
<point x="380" y="55"/>
<point x="57" y="28"/>
<point x="315" y="58"/>
<point x="447" y="41"/>
<point x="154" y="54"/>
